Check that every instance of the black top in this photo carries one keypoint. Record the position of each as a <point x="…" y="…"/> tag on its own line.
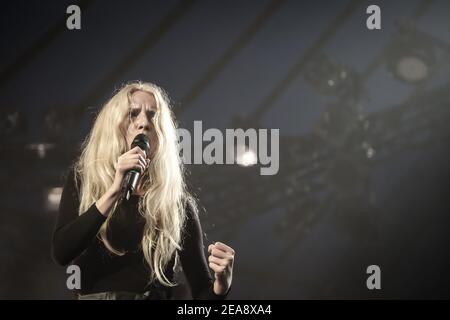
<point x="74" y="240"/>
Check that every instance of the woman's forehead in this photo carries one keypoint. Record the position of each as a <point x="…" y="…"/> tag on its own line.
<point x="142" y="98"/>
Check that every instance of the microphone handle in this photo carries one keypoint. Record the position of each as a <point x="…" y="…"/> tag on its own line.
<point x="132" y="182"/>
<point x="129" y="183"/>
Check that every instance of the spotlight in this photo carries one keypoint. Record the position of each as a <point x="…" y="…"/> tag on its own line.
<point x="412" y="69"/>
<point x="40" y="148"/>
<point x="411" y="58"/>
<point x="247" y="158"/>
<point x="53" y="198"/>
<point x="245" y="155"/>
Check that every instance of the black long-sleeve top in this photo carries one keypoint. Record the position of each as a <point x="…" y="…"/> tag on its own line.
<point x="75" y="241"/>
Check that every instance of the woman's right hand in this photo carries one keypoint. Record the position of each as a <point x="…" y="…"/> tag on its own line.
<point x="132" y="159"/>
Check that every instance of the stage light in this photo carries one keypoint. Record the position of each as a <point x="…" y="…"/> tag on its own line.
<point x="245" y="155"/>
<point x="412" y="69"/>
<point x="411" y="58"/>
<point x="53" y="198"/>
<point x="41" y="148"/>
<point x="369" y="150"/>
<point x="247" y="158"/>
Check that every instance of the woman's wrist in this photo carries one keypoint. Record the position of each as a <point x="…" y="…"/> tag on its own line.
<point x="106" y="202"/>
<point x="220" y="289"/>
<point x="114" y="191"/>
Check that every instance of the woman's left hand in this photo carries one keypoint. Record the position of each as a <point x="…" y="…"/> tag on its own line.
<point x="221" y="258"/>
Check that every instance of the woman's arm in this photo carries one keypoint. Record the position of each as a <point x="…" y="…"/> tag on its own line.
<point x="221" y="259"/>
<point x="73" y="232"/>
<point x="193" y="259"/>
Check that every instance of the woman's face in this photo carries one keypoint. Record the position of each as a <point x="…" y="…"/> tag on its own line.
<point x="140" y="119"/>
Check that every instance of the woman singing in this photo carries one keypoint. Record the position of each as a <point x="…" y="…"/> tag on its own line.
<point x="128" y="249"/>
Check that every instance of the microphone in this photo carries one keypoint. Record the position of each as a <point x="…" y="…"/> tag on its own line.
<point x="132" y="176"/>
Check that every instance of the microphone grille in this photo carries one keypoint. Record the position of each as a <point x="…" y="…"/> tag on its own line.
<point x="141" y="140"/>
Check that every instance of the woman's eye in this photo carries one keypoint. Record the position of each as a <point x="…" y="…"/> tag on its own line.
<point x="134" y="113"/>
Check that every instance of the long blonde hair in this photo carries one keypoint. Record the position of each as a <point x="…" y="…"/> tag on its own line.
<point x="163" y="204"/>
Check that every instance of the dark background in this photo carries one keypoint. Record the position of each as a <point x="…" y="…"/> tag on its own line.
<point x="364" y="134"/>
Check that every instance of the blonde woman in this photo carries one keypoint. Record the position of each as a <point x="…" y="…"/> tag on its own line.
<point x="128" y="249"/>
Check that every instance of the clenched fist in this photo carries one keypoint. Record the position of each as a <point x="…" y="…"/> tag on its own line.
<point x="221" y="258"/>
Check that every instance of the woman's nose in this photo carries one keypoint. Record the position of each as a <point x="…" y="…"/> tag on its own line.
<point x="144" y="125"/>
